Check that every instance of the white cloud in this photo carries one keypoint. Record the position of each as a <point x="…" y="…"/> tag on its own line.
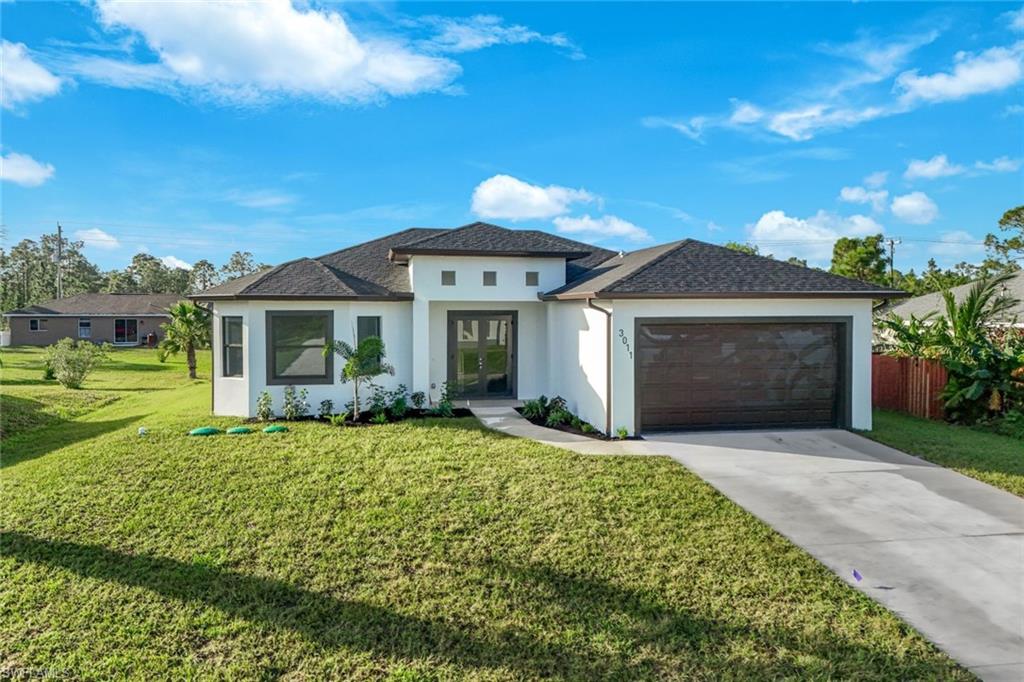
<point x="175" y="262"/>
<point x="98" y="239"/>
<point x="995" y="69"/>
<point x="23" y="79"/>
<point x="811" y="238"/>
<point x="22" y="169"/>
<point x="693" y="128"/>
<point x="936" y="167"/>
<point x="1016" y="19"/>
<point x="915" y="208"/>
<point x="1013" y="110"/>
<point x="876" y="179"/>
<point x="957" y="245"/>
<point x="605" y="227"/>
<point x="484" y="30"/>
<point x="860" y="195"/>
<point x="261" y="50"/>
<point x="1004" y="164"/>
<point x="803" y="123"/>
<point x="744" y="113"/>
<point x="263" y="198"/>
<point x="506" y="197"/>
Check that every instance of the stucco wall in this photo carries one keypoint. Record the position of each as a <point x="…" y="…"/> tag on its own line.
<point x="576" y="359"/>
<point x="626" y="312"/>
<point x="67" y="327"/>
<point x="238" y="395"/>
<point x="425" y="273"/>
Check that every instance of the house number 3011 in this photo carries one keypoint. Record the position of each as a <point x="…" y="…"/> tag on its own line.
<point x="625" y="342"/>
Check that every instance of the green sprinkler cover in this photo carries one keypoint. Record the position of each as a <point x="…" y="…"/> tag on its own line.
<point x="275" y="428"/>
<point x="205" y="431"/>
<point x="235" y="430"/>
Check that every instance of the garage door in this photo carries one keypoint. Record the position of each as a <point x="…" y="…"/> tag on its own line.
<point x="745" y="375"/>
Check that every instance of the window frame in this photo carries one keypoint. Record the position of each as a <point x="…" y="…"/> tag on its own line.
<point x="453" y="278"/>
<point x="306" y="380"/>
<point x="493" y="276"/>
<point x="536" y="278"/>
<point x="225" y="346"/>
<point x="126" y="320"/>
<point x="41" y="324"/>
<point x="359" y="337"/>
<point x="88" y="325"/>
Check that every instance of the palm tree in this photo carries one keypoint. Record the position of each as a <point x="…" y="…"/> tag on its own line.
<point x="363" y="362"/>
<point x="971" y="319"/>
<point x="188" y="330"/>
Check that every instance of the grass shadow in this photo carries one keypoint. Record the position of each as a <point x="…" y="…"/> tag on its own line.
<point x="333" y="622"/>
<point x="41" y="441"/>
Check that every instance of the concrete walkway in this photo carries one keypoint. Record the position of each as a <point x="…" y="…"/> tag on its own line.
<point x="943" y="551"/>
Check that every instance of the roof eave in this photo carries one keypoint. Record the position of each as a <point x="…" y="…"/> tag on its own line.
<point x="583" y="295"/>
<point x="300" y="297"/>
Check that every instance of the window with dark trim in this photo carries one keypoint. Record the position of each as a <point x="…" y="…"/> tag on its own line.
<point x="231" y="340"/>
<point x="295" y="344"/>
<point x="447" y="278"/>
<point x="37" y="325"/>
<point x="84" y="328"/>
<point x="367" y="326"/>
<point x="490" y="278"/>
<point x="532" y="278"/>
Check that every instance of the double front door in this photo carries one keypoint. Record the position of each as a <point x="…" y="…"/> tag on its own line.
<point x="481" y="354"/>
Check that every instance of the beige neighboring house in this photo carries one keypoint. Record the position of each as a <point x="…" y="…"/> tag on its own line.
<point x="120" y="319"/>
<point x="919" y="306"/>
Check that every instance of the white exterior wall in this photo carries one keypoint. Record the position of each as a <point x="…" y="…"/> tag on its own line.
<point x="577" y="370"/>
<point x="237" y="395"/>
<point x="625" y="312"/>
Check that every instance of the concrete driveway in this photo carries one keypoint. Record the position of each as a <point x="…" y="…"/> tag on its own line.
<point x="943" y="551"/>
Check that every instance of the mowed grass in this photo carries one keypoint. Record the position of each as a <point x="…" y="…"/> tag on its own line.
<point x="422" y="550"/>
<point x="993" y="458"/>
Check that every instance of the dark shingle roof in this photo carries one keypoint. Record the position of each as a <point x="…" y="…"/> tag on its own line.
<point x="103" y="304"/>
<point x="367" y="271"/>
<point x="484" y="239"/>
<point x="694" y="269"/>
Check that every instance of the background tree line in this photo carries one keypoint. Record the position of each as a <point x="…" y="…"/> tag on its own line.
<point x="28" y="273"/>
<point x="866" y="259"/>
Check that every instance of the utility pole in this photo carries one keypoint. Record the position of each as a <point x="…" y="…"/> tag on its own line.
<point x="892" y="242"/>
<point x="60" y="261"/>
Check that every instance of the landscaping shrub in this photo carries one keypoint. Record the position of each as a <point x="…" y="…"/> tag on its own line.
<point x="295" y="404"/>
<point x="340" y="419"/>
<point x="379" y="418"/>
<point x="326" y="409"/>
<point x="536" y="409"/>
<point x="418" y="399"/>
<point x="71" y="361"/>
<point x="265" y="406"/>
<point x="398" y="403"/>
<point x="444" y="407"/>
<point x="557" y="417"/>
<point x="622" y="432"/>
<point x="378" y="401"/>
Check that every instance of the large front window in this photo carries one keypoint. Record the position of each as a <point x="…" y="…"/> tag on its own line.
<point x="84" y="328"/>
<point x="126" y="331"/>
<point x="232" y="340"/>
<point x="295" y="343"/>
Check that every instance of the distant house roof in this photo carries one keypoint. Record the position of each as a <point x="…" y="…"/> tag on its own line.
<point x="377" y="269"/>
<point x="98" y="305"/>
<point x="919" y="306"/>
<point x="695" y="269"/>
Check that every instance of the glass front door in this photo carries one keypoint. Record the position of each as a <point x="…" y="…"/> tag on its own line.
<point x="481" y="354"/>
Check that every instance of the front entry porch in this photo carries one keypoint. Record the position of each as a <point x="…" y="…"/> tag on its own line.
<point x="481" y="352"/>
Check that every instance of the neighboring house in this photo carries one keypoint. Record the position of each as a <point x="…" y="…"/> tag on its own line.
<point x="120" y="319"/>
<point x="683" y="335"/>
<point x="919" y="306"/>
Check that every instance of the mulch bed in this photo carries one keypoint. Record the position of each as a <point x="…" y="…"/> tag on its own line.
<point x="365" y="417"/>
<point x="567" y="428"/>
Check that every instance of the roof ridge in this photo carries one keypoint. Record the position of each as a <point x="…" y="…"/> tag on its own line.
<point x="447" y="230"/>
<point x="378" y="239"/>
<point x="662" y="256"/>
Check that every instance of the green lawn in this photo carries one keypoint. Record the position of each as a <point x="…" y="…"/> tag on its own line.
<point x="990" y="457"/>
<point x="423" y="550"/>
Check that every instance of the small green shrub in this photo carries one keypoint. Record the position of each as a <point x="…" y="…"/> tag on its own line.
<point x="340" y="419"/>
<point x="558" y="417"/>
<point x="295" y="404"/>
<point x="48" y="374"/>
<point x="576" y="423"/>
<point x="535" y="409"/>
<point x="378" y="401"/>
<point x="326" y="409"/>
<point x="418" y="399"/>
<point x="71" y="361"/>
<point x="622" y="432"/>
<point x="265" y="406"/>
<point x="587" y="428"/>
<point x="398" y="403"/>
<point x="379" y="418"/>
<point x="444" y="407"/>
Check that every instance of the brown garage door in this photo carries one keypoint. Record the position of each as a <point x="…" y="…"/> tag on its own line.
<point x="746" y="375"/>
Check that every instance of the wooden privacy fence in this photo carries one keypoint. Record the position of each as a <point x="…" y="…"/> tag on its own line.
<point x="910" y="385"/>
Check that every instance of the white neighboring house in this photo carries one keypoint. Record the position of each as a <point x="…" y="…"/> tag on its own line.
<point x="686" y="335"/>
<point x="935" y="304"/>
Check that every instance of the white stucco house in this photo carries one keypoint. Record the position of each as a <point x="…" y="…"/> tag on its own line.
<point x="685" y="335"/>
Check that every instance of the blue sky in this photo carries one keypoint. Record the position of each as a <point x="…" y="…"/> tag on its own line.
<point x="293" y="129"/>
